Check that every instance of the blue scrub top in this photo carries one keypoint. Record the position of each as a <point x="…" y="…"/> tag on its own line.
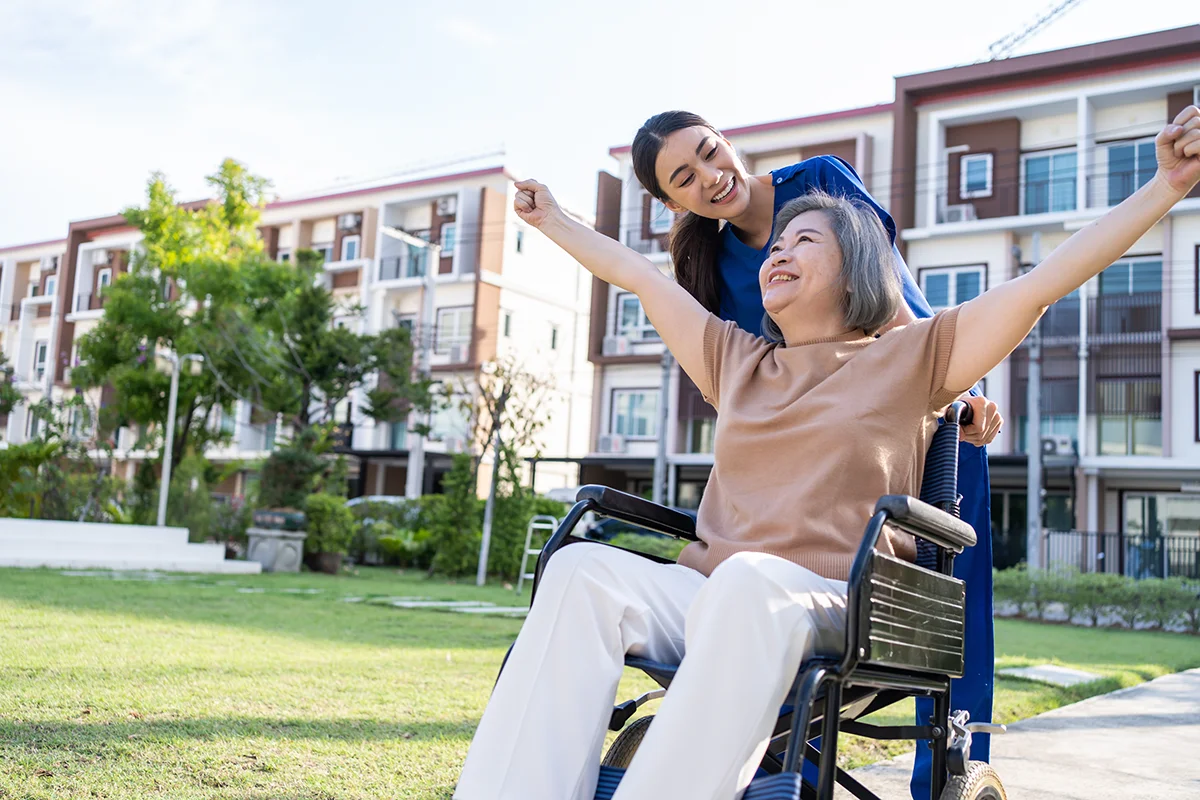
<point x="738" y="262"/>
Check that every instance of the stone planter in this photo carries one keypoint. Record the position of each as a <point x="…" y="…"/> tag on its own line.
<point x="277" y="551"/>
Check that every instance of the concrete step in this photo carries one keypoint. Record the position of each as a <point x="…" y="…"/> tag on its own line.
<point x="52" y="548"/>
<point x="65" y="561"/>
<point x="88" y="532"/>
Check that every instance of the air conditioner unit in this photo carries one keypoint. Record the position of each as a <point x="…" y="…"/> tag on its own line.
<point x="458" y="353"/>
<point x="349" y="222"/>
<point x="963" y="212"/>
<point x="447" y="206"/>
<point x="611" y="443"/>
<point x="49" y="263"/>
<point x="616" y="346"/>
<point x="1057" y="444"/>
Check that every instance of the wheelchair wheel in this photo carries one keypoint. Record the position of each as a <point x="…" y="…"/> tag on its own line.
<point x="980" y="783"/>
<point x="626" y="743"/>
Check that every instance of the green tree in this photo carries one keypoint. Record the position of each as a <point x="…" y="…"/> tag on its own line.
<point x="10" y="395"/>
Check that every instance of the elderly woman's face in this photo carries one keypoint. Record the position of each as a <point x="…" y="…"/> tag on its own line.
<point x="802" y="273"/>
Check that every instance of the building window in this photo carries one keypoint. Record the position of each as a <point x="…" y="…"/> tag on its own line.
<point x="1161" y="533"/>
<point x="1196" y="402"/>
<point x="398" y="433"/>
<point x="448" y="238"/>
<point x="284" y="257"/>
<point x="975" y="176"/>
<point x="661" y="217"/>
<point x="406" y="321"/>
<point x="326" y="252"/>
<point x="520" y="240"/>
<point x="553" y="337"/>
<point x="1048" y="182"/>
<point x="1130" y="166"/>
<point x="51" y="285"/>
<point x="635" y="413"/>
<point x="949" y="286"/>
<point x="103" y="279"/>
<point x="1130" y="416"/>
<point x="701" y="435"/>
<point x="350" y="247"/>
<point x="632" y="321"/>
<point x="1130" y="298"/>
<point x="507" y="324"/>
<point x="453" y="329"/>
<point x="40" y="351"/>
<point x="33" y="424"/>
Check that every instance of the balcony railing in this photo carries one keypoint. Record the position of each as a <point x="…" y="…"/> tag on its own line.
<point x="90" y="302"/>
<point x="392" y="268"/>
<point x="1129" y="554"/>
<point x="1113" y="314"/>
<point x="632" y="238"/>
<point x="1061" y="320"/>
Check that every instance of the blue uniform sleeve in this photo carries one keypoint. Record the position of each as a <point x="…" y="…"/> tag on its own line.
<point x="835" y="176"/>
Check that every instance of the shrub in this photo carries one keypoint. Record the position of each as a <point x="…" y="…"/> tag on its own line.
<point x="290" y="473"/>
<point x="1097" y="594"/>
<point x="1189" y="601"/>
<point x="1012" y="586"/>
<point x="456" y="521"/>
<point x="1159" y="603"/>
<point x="328" y="523"/>
<point x="405" y="549"/>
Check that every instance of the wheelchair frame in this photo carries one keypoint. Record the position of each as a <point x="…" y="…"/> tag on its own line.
<point x="904" y="628"/>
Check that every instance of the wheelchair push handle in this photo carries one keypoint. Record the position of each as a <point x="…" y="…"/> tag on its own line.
<point x="960" y="412"/>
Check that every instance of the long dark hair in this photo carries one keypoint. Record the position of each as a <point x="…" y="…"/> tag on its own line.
<point x="694" y="241"/>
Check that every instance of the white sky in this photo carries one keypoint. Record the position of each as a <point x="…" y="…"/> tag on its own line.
<point x="98" y="93"/>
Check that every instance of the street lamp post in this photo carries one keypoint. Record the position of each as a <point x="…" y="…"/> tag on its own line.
<point x="169" y="434"/>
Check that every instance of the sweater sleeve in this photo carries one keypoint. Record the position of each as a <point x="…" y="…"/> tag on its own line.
<point x="728" y="350"/>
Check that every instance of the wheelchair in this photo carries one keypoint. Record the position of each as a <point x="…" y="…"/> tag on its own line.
<point x="904" y="638"/>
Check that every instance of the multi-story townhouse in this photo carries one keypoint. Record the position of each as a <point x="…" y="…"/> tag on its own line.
<point x="985" y="169"/>
<point x="498" y="291"/>
<point x="29" y="308"/>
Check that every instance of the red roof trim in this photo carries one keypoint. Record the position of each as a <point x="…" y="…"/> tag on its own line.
<point x="786" y="123"/>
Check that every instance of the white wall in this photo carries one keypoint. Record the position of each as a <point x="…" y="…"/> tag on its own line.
<point x="1057" y="130"/>
<point x="629" y="376"/>
<point x="1179" y="275"/>
<point x="1185" y="363"/>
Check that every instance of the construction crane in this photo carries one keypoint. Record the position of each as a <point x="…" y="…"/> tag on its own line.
<point x="1003" y="48"/>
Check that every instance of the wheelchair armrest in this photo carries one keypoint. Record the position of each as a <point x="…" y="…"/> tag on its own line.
<point x="932" y="524"/>
<point x="632" y="509"/>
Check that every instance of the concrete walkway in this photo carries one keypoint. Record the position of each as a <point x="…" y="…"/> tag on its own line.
<point x="1136" y="744"/>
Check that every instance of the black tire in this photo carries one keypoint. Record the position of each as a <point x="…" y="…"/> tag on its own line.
<point x="626" y="743"/>
<point x="980" y="783"/>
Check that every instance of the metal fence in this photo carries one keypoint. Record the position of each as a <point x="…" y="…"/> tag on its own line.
<point x="1132" y="555"/>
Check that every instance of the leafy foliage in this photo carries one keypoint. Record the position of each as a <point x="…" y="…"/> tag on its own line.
<point x="328" y="523"/>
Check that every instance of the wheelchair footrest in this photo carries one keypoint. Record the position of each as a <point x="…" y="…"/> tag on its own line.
<point x="785" y="786"/>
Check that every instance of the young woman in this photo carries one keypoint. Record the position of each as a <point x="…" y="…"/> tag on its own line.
<point x="764" y="588"/>
<point x="685" y="162"/>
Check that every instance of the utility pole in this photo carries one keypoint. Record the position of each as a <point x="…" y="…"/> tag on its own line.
<point x="489" y="509"/>
<point x="660" y="455"/>
<point x="1033" y="436"/>
<point x="414" y="484"/>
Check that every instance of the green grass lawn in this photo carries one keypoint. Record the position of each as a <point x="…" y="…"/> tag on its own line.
<point x="190" y="688"/>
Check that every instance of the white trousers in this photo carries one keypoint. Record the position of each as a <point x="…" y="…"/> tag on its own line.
<point x="745" y="631"/>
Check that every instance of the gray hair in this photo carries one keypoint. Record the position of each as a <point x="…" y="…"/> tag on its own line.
<point x="869" y="281"/>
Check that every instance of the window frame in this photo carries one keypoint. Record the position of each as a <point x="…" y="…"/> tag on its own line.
<point x="101" y="283"/>
<point x="968" y="194"/>
<point x="1024" y="180"/>
<point x="356" y="239"/>
<point x="506" y="321"/>
<point x="553" y="337"/>
<point x="283" y="255"/>
<point x="39" y="366"/>
<point x="448" y="252"/>
<point x="1196" y="404"/>
<point x="643" y="326"/>
<point x="615" y="392"/>
<point x="952" y="270"/>
<point x="51" y="285"/>
<point x="1108" y="146"/>
<point x="655" y="220"/>
<point x="326" y="247"/>
<point x="444" y="349"/>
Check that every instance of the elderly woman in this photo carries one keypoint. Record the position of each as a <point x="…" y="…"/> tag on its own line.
<point x="790" y="490"/>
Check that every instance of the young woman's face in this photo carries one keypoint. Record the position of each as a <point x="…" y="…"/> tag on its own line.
<point x="803" y="270"/>
<point x="699" y="172"/>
